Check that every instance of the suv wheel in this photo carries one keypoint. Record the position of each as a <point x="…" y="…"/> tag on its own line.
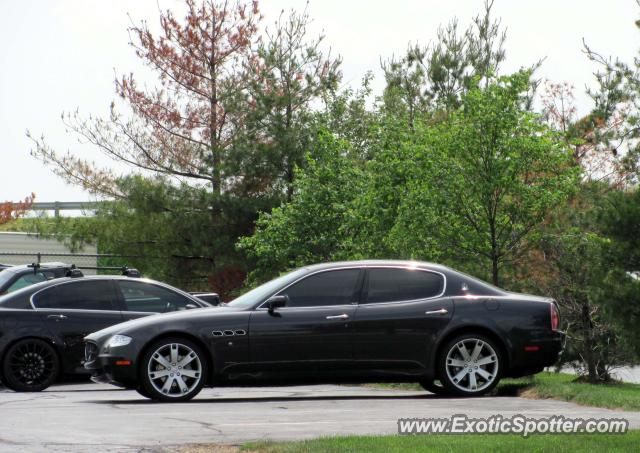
<point x="30" y="365"/>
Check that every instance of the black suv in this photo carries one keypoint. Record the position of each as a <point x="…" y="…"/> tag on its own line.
<point x="14" y="278"/>
<point x="42" y="326"/>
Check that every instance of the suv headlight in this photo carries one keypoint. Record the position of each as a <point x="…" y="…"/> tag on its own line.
<point x="118" y="340"/>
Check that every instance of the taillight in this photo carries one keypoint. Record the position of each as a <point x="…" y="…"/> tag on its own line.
<point x="555" y="317"/>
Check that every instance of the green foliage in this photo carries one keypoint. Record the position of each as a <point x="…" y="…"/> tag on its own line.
<point x="487" y="177"/>
<point x="435" y="78"/>
<point x="615" y="118"/>
<point x="310" y="227"/>
<point x="619" y="291"/>
<point x="475" y="184"/>
<point x="570" y="266"/>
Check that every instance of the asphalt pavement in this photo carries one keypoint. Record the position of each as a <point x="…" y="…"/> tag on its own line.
<point x="100" y="418"/>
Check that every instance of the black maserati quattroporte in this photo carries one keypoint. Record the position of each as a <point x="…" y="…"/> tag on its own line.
<point x="339" y="322"/>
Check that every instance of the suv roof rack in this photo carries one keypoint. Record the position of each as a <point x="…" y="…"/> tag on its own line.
<point x="130" y="272"/>
<point x="74" y="272"/>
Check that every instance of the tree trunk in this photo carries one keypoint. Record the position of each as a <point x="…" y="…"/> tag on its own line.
<point x="289" y="150"/>
<point x="588" y="341"/>
<point x="494" y="251"/>
<point x="494" y="270"/>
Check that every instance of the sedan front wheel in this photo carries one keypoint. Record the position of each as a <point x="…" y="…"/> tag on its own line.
<point x="173" y="369"/>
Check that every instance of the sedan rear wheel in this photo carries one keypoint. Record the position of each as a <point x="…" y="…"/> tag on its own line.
<point x="173" y="369"/>
<point x="30" y="365"/>
<point x="470" y="365"/>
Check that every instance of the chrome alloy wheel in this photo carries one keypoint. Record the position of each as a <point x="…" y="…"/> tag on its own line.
<point x="472" y="365"/>
<point x="174" y="370"/>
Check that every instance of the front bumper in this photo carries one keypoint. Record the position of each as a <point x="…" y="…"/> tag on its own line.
<point x="111" y="366"/>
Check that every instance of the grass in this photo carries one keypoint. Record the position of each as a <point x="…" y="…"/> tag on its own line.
<point x="559" y="386"/>
<point x="455" y="443"/>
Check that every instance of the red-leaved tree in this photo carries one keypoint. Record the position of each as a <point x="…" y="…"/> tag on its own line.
<point x="186" y="125"/>
<point x="10" y="211"/>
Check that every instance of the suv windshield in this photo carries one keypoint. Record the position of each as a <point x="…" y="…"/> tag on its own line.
<point x="260" y="293"/>
<point x="6" y="276"/>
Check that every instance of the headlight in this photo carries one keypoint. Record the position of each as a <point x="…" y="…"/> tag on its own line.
<point x="118" y="340"/>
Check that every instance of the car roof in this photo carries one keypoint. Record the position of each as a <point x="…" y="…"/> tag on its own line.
<point x="57" y="281"/>
<point x="21" y="267"/>
<point x="378" y="263"/>
<point x="97" y="277"/>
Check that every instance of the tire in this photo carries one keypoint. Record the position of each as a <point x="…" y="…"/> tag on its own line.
<point x="462" y="375"/>
<point x="433" y="387"/>
<point x="142" y="391"/>
<point x="173" y="378"/>
<point x="30" y="365"/>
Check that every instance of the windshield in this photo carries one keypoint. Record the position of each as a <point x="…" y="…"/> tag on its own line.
<point x="5" y="277"/>
<point x="260" y="293"/>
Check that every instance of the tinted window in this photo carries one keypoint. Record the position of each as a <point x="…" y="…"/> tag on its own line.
<point x="84" y="295"/>
<point x="140" y="296"/>
<point x="22" y="301"/>
<point x="26" y="280"/>
<point x="388" y="285"/>
<point x="324" y="288"/>
<point x="260" y="293"/>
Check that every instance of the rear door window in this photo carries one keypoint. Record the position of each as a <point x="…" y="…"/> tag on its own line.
<point x="144" y="297"/>
<point x="81" y="295"/>
<point x="397" y="284"/>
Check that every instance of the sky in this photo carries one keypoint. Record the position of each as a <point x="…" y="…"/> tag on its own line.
<point x="62" y="55"/>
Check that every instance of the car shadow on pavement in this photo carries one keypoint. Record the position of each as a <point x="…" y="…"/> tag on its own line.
<point x="250" y="399"/>
<point x="64" y="390"/>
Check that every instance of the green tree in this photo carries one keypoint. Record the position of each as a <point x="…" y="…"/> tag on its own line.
<point x="436" y="77"/>
<point x="619" y="222"/>
<point x="486" y="178"/>
<point x="292" y="73"/>
<point x="571" y="265"/>
<point x="216" y="138"/>
<point x="614" y="122"/>
<point x="315" y="224"/>
<point x="471" y="188"/>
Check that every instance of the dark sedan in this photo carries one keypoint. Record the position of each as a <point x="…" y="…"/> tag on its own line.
<point x="340" y="322"/>
<point x="42" y="326"/>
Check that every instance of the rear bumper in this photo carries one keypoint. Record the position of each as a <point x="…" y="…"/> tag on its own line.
<point x="533" y="355"/>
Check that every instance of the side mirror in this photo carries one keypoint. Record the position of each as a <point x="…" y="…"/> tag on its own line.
<point x="276" y="302"/>
<point x="191" y="306"/>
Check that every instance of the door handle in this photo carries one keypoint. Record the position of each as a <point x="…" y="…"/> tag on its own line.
<point x="342" y="316"/>
<point x="57" y="317"/>
<point x="442" y="311"/>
